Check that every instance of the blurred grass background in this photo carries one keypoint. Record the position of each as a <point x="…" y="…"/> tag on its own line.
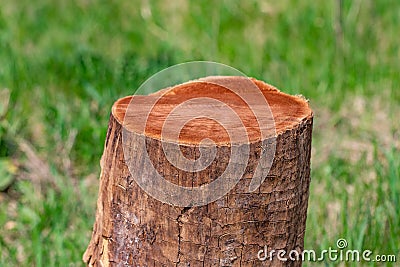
<point x="64" y="63"/>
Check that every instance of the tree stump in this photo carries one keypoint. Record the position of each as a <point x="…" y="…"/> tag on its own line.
<point x="261" y="210"/>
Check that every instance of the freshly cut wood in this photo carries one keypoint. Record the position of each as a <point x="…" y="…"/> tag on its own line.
<point x="134" y="228"/>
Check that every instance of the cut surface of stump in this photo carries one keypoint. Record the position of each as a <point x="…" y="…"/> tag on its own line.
<point x="211" y="116"/>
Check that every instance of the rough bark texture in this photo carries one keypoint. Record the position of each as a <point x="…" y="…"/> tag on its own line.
<point x="134" y="229"/>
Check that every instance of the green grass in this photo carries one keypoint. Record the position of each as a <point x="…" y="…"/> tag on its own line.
<point x="66" y="63"/>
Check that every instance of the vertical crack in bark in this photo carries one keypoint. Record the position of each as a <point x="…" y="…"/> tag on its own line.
<point x="179" y="221"/>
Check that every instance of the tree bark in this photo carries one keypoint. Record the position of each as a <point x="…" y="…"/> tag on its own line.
<point x="133" y="228"/>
